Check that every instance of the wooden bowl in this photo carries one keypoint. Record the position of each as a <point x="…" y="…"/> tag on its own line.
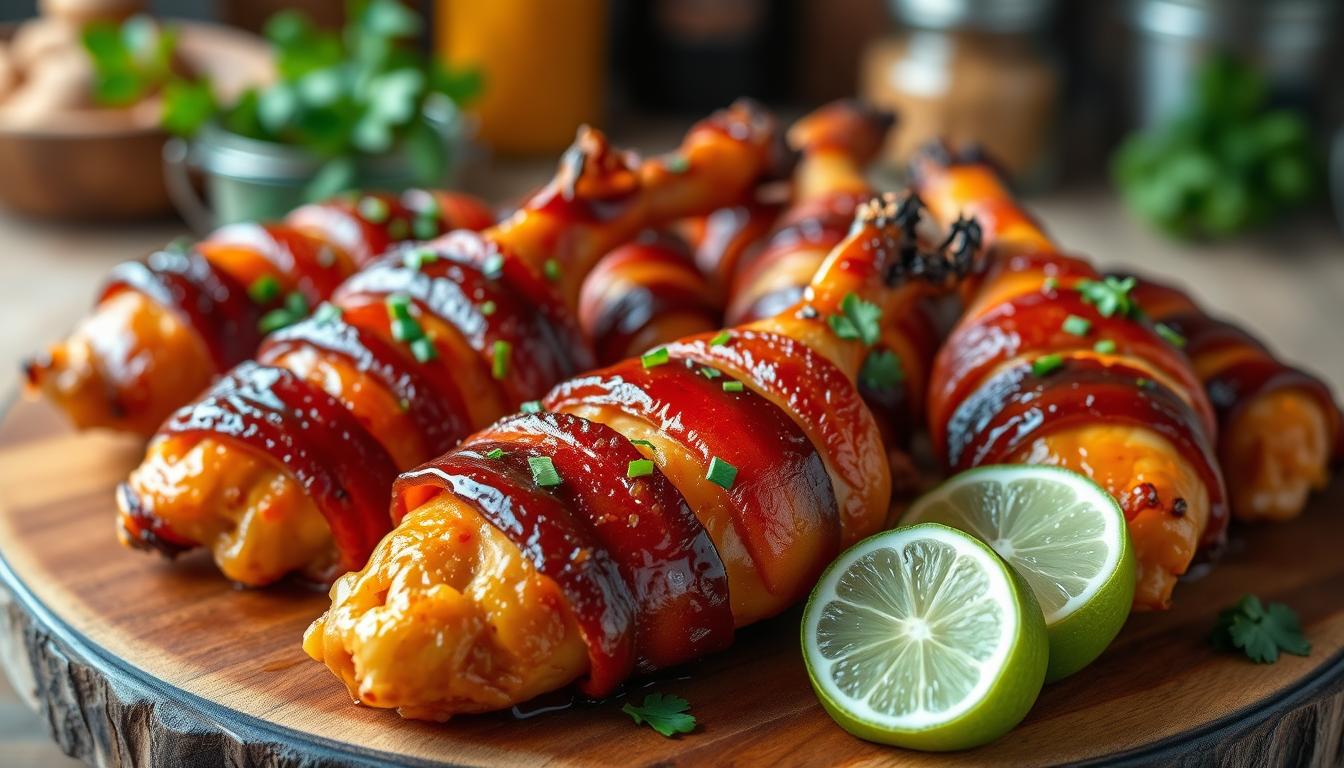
<point x="100" y="169"/>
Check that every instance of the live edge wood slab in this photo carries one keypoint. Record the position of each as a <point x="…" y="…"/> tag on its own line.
<point x="135" y="660"/>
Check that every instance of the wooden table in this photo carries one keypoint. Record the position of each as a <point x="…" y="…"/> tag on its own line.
<point x="1289" y="286"/>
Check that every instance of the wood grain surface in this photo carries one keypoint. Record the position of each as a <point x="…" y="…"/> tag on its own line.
<point x="136" y="659"/>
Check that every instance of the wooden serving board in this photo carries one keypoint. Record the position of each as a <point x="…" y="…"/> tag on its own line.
<point x="136" y="660"/>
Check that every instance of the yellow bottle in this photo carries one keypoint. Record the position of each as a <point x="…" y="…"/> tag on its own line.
<point x="543" y="63"/>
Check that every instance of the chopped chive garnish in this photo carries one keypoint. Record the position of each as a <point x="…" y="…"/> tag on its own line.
<point x="424" y="350"/>
<point x="1146" y="383"/>
<point x="398" y="306"/>
<point x="374" y="209"/>
<point x="493" y="266"/>
<point x="417" y="258"/>
<point x="1047" y="364"/>
<point x="644" y="443"/>
<point x="425" y="226"/>
<point x="551" y="269"/>
<point x="264" y="289"/>
<point x="297" y="304"/>
<point x="406" y="329"/>
<point x="655" y="358"/>
<point x="488" y="307"/>
<point x="495" y="453"/>
<point x="733" y="386"/>
<point x="720" y="339"/>
<point x="639" y="468"/>
<point x="721" y="473"/>
<point x="1078" y="326"/>
<point x="543" y="471"/>
<point x="1050" y="284"/>
<point x="499" y="365"/>
<point x="1104" y="347"/>
<point x="275" y="320"/>
<point x="1169" y="335"/>
<point x="531" y="406"/>
<point x="399" y="229"/>
<point x="327" y="312"/>
<point x="710" y="373"/>
<point x="1110" y="295"/>
<point x="676" y="164"/>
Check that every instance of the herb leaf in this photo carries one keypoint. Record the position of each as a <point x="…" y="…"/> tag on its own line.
<point x="860" y="320"/>
<point x="666" y="714"/>
<point x="1260" y="631"/>
<point x="882" y="370"/>
<point x="1110" y="296"/>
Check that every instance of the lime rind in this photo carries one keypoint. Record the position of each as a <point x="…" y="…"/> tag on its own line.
<point x="1082" y="579"/>
<point x="924" y="638"/>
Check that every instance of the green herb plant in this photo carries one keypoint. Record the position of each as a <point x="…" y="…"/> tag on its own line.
<point x="358" y="92"/>
<point x="1229" y="163"/>
<point x="666" y="714"/>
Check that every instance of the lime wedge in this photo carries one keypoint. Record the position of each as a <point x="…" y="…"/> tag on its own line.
<point x="923" y="638"/>
<point x="1066" y="537"/>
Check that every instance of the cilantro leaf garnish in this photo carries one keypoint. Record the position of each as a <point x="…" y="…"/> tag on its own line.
<point x="666" y="714"/>
<point x="1260" y="631"/>
<point x="1110" y="296"/>
<point x="859" y="320"/>
<point x="882" y="370"/>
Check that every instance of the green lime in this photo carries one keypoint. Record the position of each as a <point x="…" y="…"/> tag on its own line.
<point x="923" y="638"/>
<point x="1065" y="535"/>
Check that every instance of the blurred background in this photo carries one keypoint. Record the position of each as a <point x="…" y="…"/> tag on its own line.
<point x="1203" y="139"/>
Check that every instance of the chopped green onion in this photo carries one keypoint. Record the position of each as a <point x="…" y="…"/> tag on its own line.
<point x="495" y="453"/>
<point x="1110" y="296"/>
<point x="676" y="164"/>
<point x="655" y="358"/>
<point x="499" y="365"/>
<point x="639" y="468"/>
<point x="551" y="269"/>
<point x="1050" y="284"/>
<point x="417" y="258"/>
<point x="374" y="209"/>
<point x="543" y="471"/>
<point x="297" y="304"/>
<point x="1104" y="347"/>
<point x="720" y="339"/>
<point x="721" y="473"/>
<point x="327" y="312"/>
<point x="1077" y="326"/>
<point x="733" y="386"/>
<point x="398" y="306"/>
<point x="710" y="373"/>
<point x="399" y="229"/>
<point x="1169" y="335"/>
<point x="644" y="443"/>
<point x="488" y="307"/>
<point x="1047" y="364"/>
<point x="1145" y="383"/>
<point x="406" y="329"/>
<point x="276" y="319"/>
<point x="493" y="266"/>
<point x="425" y="226"/>
<point x="264" y="289"/>
<point x="531" y="406"/>
<point x="424" y="350"/>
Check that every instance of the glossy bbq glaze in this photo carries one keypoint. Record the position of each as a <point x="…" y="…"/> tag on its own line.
<point x="431" y="342"/>
<point x="730" y="427"/>
<point x="1052" y="364"/>
<point x="165" y="327"/>
<point x="1279" y="426"/>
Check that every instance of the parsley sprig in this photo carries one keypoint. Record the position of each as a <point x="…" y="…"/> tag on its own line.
<point x="1260" y="631"/>
<point x="1110" y="295"/>
<point x="859" y="319"/>
<point x="882" y="370"/>
<point x="666" y="714"/>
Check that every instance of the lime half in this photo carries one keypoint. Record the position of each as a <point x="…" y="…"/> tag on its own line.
<point x="922" y="637"/>
<point x="1066" y="537"/>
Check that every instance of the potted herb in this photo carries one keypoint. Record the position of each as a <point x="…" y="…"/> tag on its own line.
<point x="362" y="107"/>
